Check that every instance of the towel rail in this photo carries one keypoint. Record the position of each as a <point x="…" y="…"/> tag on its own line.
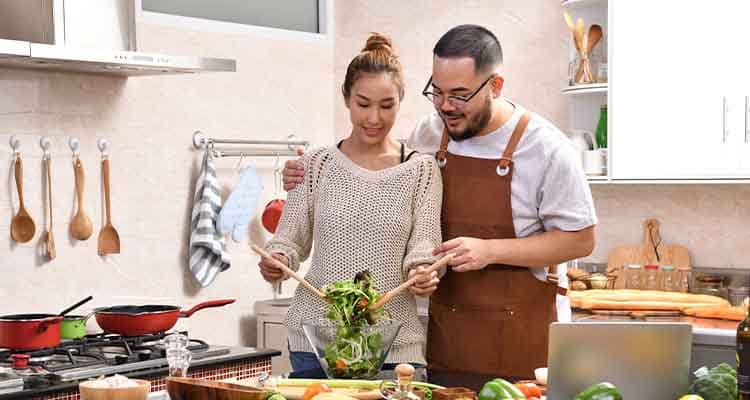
<point x="271" y="148"/>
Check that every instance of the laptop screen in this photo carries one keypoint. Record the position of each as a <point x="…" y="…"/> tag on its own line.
<point x="645" y="360"/>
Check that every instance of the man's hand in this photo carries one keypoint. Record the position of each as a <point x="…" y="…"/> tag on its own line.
<point x="293" y="172"/>
<point x="426" y="284"/>
<point x="470" y="254"/>
<point x="270" y="272"/>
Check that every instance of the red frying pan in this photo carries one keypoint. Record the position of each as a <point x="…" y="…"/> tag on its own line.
<point x="146" y="319"/>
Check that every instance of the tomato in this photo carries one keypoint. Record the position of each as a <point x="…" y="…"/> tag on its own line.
<point x="529" y="389"/>
<point x="315" y="389"/>
<point x="340" y="365"/>
<point x="272" y="214"/>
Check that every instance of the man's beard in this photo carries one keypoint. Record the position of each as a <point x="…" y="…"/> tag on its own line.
<point x="475" y="125"/>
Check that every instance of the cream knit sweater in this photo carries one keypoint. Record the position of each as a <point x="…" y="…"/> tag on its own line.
<point x="385" y="221"/>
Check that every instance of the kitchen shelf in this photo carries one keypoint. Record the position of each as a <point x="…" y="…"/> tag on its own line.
<point x="597" y="178"/>
<point x="587" y="3"/>
<point x="587" y="89"/>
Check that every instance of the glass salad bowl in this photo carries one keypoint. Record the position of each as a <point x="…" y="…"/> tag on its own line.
<point x="351" y="352"/>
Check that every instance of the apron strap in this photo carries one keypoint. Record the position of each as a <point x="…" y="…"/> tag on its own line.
<point x="507" y="158"/>
<point x="442" y="152"/>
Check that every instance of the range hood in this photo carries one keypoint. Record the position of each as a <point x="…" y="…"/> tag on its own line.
<point x="92" y="36"/>
<point x="18" y="54"/>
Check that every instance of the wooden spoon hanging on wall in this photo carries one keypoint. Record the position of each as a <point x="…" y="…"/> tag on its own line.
<point x="22" y="227"/>
<point x="109" y="240"/>
<point x="80" y="227"/>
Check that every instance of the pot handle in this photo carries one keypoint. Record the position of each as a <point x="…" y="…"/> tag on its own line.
<point x="46" y="322"/>
<point x="206" y="304"/>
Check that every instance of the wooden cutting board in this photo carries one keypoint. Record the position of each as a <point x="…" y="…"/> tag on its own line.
<point x="651" y="251"/>
<point x="297" y="392"/>
<point x="190" y="388"/>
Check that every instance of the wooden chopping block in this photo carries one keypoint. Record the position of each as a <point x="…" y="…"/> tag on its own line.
<point x="297" y="392"/>
<point x="651" y="251"/>
<point x="190" y="388"/>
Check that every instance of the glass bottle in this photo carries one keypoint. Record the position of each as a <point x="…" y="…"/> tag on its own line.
<point x="601" y="129"/>
<point x="651" y="280"/>
<point x="633" y="274"/>
<point x="684" y="279"/>
<point x="743" y="358"/>
<point x="668" y="281"/>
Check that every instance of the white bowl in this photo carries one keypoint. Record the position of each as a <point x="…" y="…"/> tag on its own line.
<point x="541" y="375"/>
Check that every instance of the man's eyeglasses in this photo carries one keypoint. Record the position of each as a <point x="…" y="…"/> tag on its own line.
<point x="456" y="101"/>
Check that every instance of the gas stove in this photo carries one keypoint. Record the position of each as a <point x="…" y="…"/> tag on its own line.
<point x="89" y="357"/>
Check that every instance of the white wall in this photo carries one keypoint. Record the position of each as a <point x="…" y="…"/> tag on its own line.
<point x="282" y="85"/>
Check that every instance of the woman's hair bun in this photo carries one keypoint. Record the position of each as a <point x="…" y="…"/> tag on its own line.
<point x="376" y="42"/>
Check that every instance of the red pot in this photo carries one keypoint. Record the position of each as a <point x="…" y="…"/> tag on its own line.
<point x="272" y="214"/>
<point x="147" y="319"/>
<point x="30" y="331"/>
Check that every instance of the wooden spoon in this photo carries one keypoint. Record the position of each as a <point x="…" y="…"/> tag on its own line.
<point x="22" y="227"/>
<point x="595" y="34"/>
<point x="280" y="265"/>
<point x="49" y="238"/>
<point x="572" y="27"/>
<point x="400" y="288"/>
<point x="80" y="227"/>
<point x="109" y="240"/>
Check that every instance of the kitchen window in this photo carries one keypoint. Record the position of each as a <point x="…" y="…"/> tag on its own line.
<point x="304" y="17"/>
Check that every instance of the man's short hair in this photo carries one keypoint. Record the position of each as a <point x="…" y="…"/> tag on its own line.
<point x="474" y="41"/>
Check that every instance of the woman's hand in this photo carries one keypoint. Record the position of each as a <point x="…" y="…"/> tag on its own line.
<point x="426" y="284"/>
<point x="269" y="271"/>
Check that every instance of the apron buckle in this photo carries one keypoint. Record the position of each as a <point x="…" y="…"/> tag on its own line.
<point x="502" y="171"/>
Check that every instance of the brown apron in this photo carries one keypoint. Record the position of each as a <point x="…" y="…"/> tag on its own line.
<point x="494" y="321"/>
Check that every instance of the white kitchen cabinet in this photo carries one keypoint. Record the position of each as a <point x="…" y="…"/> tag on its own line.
<point x="272" y="333"/>
<point x="677" y="90"/>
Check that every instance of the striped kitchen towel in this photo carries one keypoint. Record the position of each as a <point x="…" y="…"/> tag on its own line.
<point x="208" y="252"/>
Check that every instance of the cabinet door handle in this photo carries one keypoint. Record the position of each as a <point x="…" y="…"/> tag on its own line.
<point x="724" y="120"/>
<point x="747" y="109"/>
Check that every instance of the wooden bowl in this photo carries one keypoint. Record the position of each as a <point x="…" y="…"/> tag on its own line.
<point x="89" y="391"/>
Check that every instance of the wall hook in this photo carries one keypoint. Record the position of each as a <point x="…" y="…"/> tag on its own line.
<point x="45" y="143"/>
<point x="103" y="145"/>
<point x="75" y="146"/>
<point x="15" y="144"/>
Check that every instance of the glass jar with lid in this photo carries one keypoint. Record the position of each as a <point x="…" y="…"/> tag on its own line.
<point x="651" y="277"/>
<point x="633" y="276"/>
<point x="683" y="284"/>
<point x="668" y="279"/>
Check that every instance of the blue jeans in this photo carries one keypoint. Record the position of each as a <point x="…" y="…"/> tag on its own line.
<point x="306" y="365"/>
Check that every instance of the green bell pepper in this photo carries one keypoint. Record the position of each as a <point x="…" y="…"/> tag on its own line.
<point x="499" y="389"/>
<point x="512" y="390"/>
<point x="600" y="391"/>
<point x="493" y="391"/>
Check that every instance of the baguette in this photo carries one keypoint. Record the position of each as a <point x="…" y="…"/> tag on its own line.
<point x="596" y="304"/>
<point x="717" y="312"/>
<point x="628" y="295"/>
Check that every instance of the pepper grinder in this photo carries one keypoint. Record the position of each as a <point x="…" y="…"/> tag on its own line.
<point x="404" y="378"/>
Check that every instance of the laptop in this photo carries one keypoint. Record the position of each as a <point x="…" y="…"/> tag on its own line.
<point x="645" y="360"/>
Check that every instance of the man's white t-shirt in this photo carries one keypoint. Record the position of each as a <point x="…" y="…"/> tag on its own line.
<point x="549" y="190"/>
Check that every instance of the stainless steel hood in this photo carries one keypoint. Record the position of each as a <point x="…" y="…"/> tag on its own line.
<point x="96" y="36"/>
<point x="18" y="54"/>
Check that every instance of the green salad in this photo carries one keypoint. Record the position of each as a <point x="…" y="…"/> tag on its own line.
<point x="356" y="350"/>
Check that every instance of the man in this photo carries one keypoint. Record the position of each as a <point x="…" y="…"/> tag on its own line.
<point x="515" y="201"/>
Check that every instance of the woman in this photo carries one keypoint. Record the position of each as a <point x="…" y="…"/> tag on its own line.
<point x="367" y="203"/>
